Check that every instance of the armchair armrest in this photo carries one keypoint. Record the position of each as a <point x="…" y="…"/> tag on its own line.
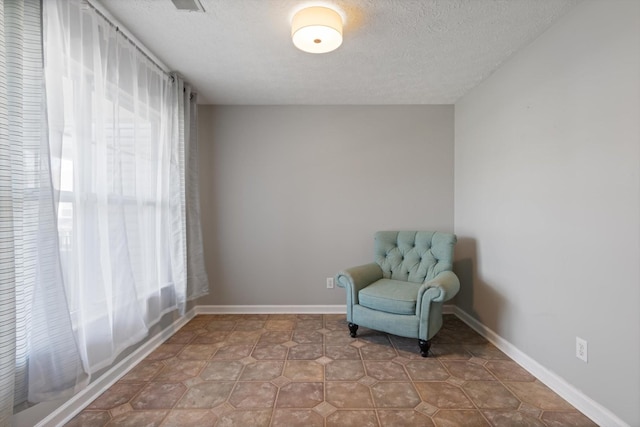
<point x="441" y="288"/>
<point x="355" y="278"/>
<point x="430" y="298"/>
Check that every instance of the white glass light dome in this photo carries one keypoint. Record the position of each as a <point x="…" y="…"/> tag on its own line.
<point x="317" y="29"/>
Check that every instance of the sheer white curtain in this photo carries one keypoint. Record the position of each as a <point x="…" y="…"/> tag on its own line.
<point x="39" y="357"/>
<point x="96" y="218"/>
<point x="117" y="139"/>
<point x="197" y="281"/>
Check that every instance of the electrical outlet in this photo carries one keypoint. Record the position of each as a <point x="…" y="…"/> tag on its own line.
<point x="329" y="282"/>
<point x="582" y="350"/>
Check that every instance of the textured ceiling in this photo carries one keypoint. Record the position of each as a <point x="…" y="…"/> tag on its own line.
<point x="394" y="51"/>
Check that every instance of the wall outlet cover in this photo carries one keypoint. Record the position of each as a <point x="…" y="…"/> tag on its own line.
<point x="582" y="349"/>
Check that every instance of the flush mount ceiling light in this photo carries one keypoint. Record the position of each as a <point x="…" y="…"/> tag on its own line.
<point x="317" y="29"/>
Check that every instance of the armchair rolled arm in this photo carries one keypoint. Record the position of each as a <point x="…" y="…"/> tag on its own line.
<point x="355" y="278"/>
<point x="360" y="276"/>
<point x="430" y="298"/>
<point x="441" y="288"/>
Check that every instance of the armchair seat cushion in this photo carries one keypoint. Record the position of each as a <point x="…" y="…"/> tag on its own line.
<point x="392" y="296"/>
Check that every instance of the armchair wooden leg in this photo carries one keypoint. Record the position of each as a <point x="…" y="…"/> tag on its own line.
<point x="424" y="347"/>
<point x="353" y="328"/>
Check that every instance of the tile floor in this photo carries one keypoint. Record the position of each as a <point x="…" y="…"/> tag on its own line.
<point x="305" y="370"/>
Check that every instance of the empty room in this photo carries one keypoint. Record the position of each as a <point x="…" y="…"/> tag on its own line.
<point x="320" y="213"/>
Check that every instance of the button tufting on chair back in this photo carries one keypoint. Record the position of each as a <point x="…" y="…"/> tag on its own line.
<point x="414" y="256"/>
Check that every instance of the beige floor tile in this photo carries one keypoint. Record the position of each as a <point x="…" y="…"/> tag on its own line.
<point x="344" y="370"/>
<point x="300" y="395"/>
<point x="508" y="370"/>
<point x="403" y="418"/>
<point x="378" y="352"/>
<point x="345" y="418"/>
<point x="348" y="395"/>
<point x="121" y="409"/>
<point x="90" y="419"/>
<point x="243" y="337"/>
<point x="180" y="370"/>
<point x="116" y="395"/>
<point x="253" y="418"/>
<point x="512" y="419"/>
<point x="305" y="370"/>
<point x="280" y="325"/>
<point x="307" y="337"/>
<point x="305" y="352"/>
<point x="190" y="418"/>
<point x="443" y="395"/>
<point x="205" y="395"/>
<point x="325" y="408"/>
<point x="537" y="394"/>
<point x="336" y="325"/>
<point x="309" y="325"/>
<point x="270" y="352"/>
<point x="296" y="417"/>
<point x="233" y="352"/>
<point x="215" y="337"/>
<point x="452" y="418"/>
<point x="158" y="396"/>
<point x="274" y="337"/>
<point x="282" y="316"/>
<point x="249" y="325"/>
<point x="262" y="370"/>
<point x="144" y="371"/>
<point x="337" y="338"/>
<point x="165" y="351"/>
<point x="220" y="325"/>
<point x="342" y="352"/>
<point x="566" y="419"/>
<point x="450" y="352"/>
<point x="394" y="395"/>
<point x="426" y="370"/>
<point x="486" y="351"/>
<point x="385" y="370"/>
<point x="253" y="395"/>
<point x="490" y="395"/>
<point x="468" y="371"/>
<point x="139" y="418"/>
<point x="182" y="337"/>
<point x="221" y="370"/>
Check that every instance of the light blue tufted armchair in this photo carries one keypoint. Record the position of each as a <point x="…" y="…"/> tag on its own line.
<point x="402" y="292"/>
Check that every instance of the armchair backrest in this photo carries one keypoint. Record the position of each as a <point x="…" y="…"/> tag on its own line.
<point x="414" y="256"/>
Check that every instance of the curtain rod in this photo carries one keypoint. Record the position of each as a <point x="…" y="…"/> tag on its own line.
<point x="129" y="39"/>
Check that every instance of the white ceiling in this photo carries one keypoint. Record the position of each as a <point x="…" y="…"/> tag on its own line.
<point x="394" y="51"/>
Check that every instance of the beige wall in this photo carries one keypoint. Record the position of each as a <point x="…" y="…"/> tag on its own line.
<point x="292" y="194"/>
<point x="547" y="204"/>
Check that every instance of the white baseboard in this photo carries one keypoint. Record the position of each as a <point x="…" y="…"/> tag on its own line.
<point x="77" y="403"/>
<point x="271" y="309"/>
<point x="285" y="309"/>
<point x="592" y="409"/>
